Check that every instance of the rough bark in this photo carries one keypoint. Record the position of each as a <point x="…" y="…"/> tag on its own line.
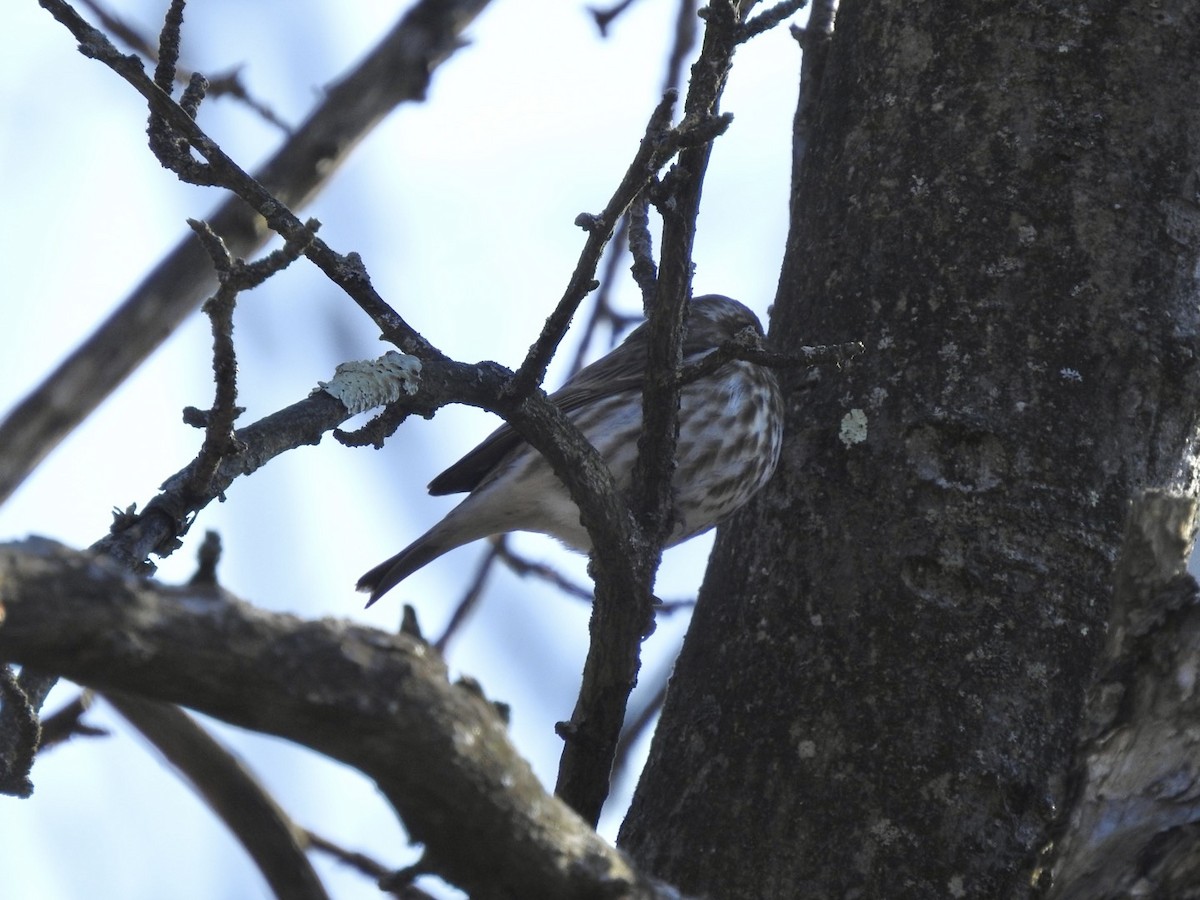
<point x="884" y="678"/>
<point x="1130" y="827"/>
<point x="379" y="702"/>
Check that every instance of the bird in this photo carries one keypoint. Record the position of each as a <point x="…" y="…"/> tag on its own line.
<point x="730" y="434"/>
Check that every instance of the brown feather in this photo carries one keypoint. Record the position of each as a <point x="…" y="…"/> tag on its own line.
<point x="622" y="369"/>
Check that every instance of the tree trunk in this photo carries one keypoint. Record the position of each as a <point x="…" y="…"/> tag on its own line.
<point x="882" y="686"/>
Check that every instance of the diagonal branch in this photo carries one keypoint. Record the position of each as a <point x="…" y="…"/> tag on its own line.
<point x="397" y="70"/>
<point x="621" y="619"/>
<point x="659" y="145"/>
<point x="380" y="702"/>
<point x="273" y="841"/>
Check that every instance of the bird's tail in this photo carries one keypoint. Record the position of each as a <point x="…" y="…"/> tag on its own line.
<point x="391" y="572"/>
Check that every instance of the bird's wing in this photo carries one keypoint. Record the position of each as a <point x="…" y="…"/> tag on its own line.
<point x="621" y="370"/>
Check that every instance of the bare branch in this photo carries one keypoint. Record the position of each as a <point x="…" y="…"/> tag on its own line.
<point x="641" y="248"/>
<point x="622" y="618"/>
<point x="747" y="346"/>
<point x="397" y="70"/>
<point x="66" y="723"/>
<point x="359" y="862"/>
<point x="228" y="84"/>
<point x="356" y="694"/>
<point x="605" y="17"/>
<point x="814" y="41"/>
<point x="576" y="462"/>
<point x="234" y="276"/>
<point x="658" y="145"/>
<point x="524" y="567"/>
<point x="681" y="46"/>
<point x="767" y="20"/>
<point x="273" y="841"/>
<point x="470" y="600"/>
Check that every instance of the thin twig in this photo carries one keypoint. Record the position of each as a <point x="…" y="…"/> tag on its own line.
<point x="681" y="45"/>
<point x="620" y="619"/>
<point x="225" y="85"/>
<point x="603" y="311"/>
<point x="230" y="790"/>
<point x="767" y="20"/>
<point x="658" y="146"/>
<point x="641" y="248"/>
<point x="220" y="169"/>
<point x="396" y="70"/>
<point x="66" y="723"/>
<point x="234" y="276"/>
<point x="747" y="347"/>
<point x="652" y="153"/>
<point x="605" y="17"/>
<point x="354" y="859"/>
<point x="638" y="725"/>
<point x="525" y="567"/>
<point x="470" y="599"/>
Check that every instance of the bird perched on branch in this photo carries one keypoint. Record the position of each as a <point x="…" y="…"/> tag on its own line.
<point x="730" y="431"/>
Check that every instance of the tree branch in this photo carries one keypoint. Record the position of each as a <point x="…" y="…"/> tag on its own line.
<point x="379" y="702"/>
<point x="273" y="841"/>
<point x="622" y="618"/>
<point x="397" y="70"/>
<point x="814" y="42"/>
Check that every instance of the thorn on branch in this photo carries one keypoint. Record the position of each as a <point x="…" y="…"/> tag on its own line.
<point x="590" y="222"/>
<point x="207" y="558"/>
